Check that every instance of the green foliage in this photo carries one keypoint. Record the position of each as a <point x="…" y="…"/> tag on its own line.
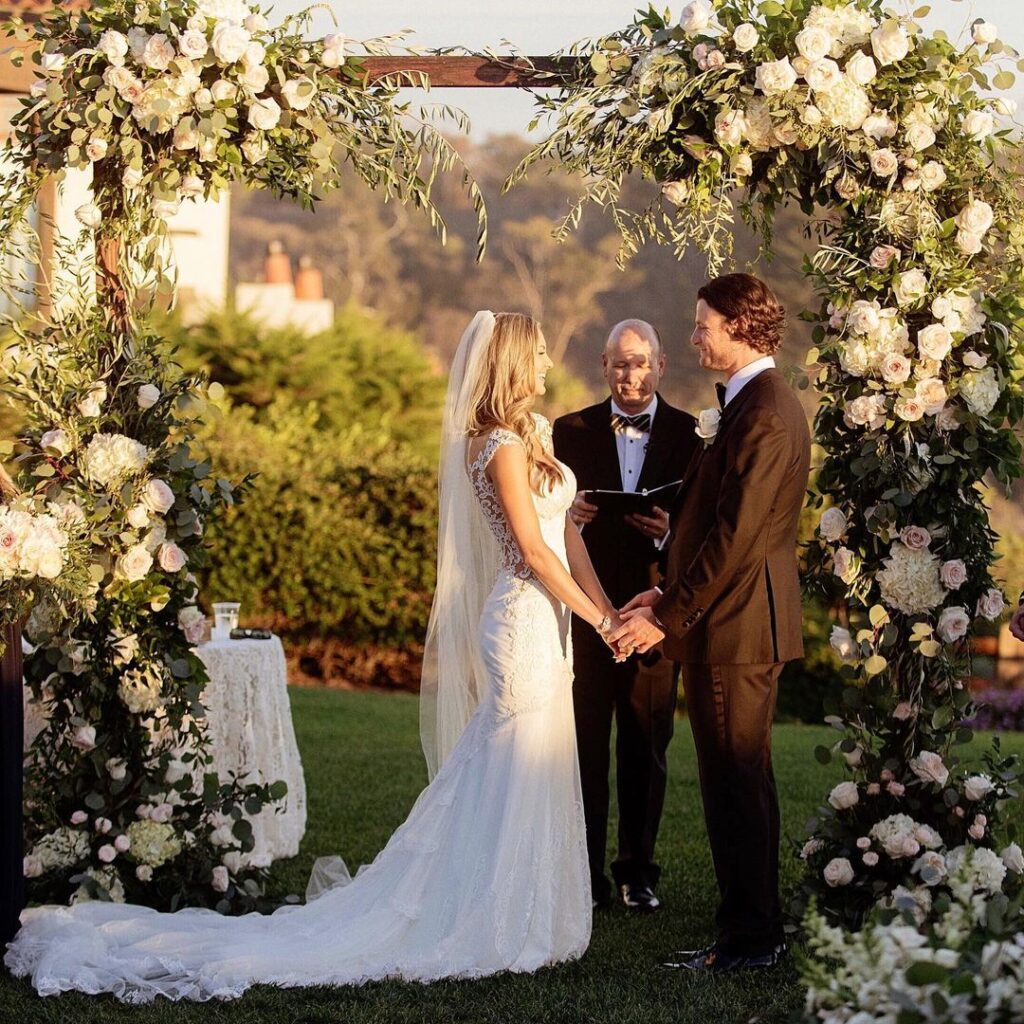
<point x="360" y="373"/>
<point x="337" y="533"/>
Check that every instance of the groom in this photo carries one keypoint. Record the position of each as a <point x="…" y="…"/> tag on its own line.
<point x="730" y="612"/>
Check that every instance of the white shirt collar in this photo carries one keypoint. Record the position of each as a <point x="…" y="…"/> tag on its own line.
<point x="649" y="411"/>
<point x="746" y="374"/>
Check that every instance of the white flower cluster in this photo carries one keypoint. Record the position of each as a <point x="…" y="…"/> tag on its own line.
<point x="32" y="545"/>
<point x="900" y="836"/>
<point x="63" y="848"/>
<point x="910" y="580"/>
<point x="107" y="879"/>
<point x="110" y="459"/>
<point x="866" y="978"/>
<point x="141" y="690"/>
<point x="153" y="842"/>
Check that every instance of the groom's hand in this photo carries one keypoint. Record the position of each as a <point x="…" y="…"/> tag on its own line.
<point x="639" y="633"/>
<point x="654" y="526"/>
<point x="645" y="600"/>
<point x="582" y="512"/>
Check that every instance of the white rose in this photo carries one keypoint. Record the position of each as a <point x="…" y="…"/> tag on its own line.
<point x="113" y="45"/>
<point x="255" y="149"/>
<point x="919" y="136"/>
<point x="977" y="787"/>
<point x="104" y="825"/>
<point x="96" y="149"/>
<point x="158" y="53"/>
<point x="811" y="116"/>
<point x="106" y="853"/>
<point x="89" y="215"/>
<point x="975" y="218"/>
<point x="895" y="368"/>
<point x="135" y="563"/>
<point x="991" y="604"/>
<point x="929" y="767"/>
<point x="909" y="409"/>
<point x="84" y="737"/>
<point x="884" y="163"/>
<point x="1013" y="858"/>
<point x="32" y="866"/>
<point x="932" y="175"/>
<point x="707" y="424"/>
<point x="116" y="769"/>
<point x="333" y="55"/>
<point x="221" y="879"/>
<point x="37" y="90"/>
<point x="56" y="439"/>
<point x="838" y="871"/>
<point x="775" y="76"/>
<point x="144" y="873"/>
<point x="193" y="44"/>
<point x="745" y="37"/>
<point x="147" y="396"/>
<point x="823" y="75"/>
<point x="844" y="566"/>
<point x="158" y="497"/>
<point x="171" y="558"/>
<point x="842" y="643"/>
<point x="191" y="622"/>
<point x="979" y="125"/>
<point x="861" y="69"/>
<point x="233" y="861"/>
<point x="911" y="286"/>
<point x="138" y="516"/>
<point x="255" y="54"/>
<point x="890" y="43"/>
<point x="230" y="42"/>
<point x="879" y="126"/>
<point x="984" y="32"/>
<point x="833" y="524"/>
<point x="947" y="420"/>
<point x="968" y="243"/>
<point x="813" y="43"/>
<point x="186" y="135"/>
<point x="256" y="23"/>
<point x="91" y="406"/>
<point x="255" y="78"/>
<point x="132" y="178"/>
<point x="298" y="93"/>
<point x="741" y="165"/>
<point x="264" y="114"/>
<point x="844" y="796"/>
<point x="166" y="208"/>
<point x="730" y="126"/>
<point x="882" y="256"/>
<point x="192" y="186"/>
<point x="865" y="410"/>
<point x="696" y="17"/>
<point x="934" y="342"/>
<point x="224" y="91"/>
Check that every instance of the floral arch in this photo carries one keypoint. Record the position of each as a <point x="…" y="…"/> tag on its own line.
<point x="913" y="186"/>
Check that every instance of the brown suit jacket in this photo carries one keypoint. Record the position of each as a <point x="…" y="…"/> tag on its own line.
<point x="732" y="593"/>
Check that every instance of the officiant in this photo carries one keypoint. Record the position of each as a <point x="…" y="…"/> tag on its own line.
<point x="632" y="441"/>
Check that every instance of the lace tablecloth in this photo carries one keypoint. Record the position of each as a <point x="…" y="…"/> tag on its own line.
<point x="251" y="733"/>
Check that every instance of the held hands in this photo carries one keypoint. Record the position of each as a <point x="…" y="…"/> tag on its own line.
<point x="638" y="630"/>
<point x="655" y="526"/>
<point x="1017" y="623"/>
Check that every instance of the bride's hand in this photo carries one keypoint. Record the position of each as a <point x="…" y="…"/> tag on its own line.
<point x="617" y="622"/>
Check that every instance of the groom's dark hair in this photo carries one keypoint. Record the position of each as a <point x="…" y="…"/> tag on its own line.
<point x="755" y="316"/>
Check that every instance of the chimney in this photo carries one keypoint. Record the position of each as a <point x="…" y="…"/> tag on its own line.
<point x="309" y="282"/>
<point x="277" y="268"/>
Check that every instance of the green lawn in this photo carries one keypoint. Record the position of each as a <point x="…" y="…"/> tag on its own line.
<point x="363" y="770"/>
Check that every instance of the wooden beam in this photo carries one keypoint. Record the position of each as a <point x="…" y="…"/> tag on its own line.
<point x="474" y="72"/>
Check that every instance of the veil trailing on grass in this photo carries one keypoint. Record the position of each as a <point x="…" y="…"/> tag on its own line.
<point x="467" y="564"/>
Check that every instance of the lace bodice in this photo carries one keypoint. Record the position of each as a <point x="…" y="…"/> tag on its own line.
<point x="551" y="506"/>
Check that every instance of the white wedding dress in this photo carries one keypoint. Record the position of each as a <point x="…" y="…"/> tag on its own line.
<point x="487" y="874"/>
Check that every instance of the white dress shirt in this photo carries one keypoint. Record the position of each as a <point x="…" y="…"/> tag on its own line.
<point x="743" y="376"/>
<point x="631" y="444"/>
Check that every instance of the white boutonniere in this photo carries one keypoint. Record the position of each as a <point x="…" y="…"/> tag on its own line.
<point x="707" y="425"/>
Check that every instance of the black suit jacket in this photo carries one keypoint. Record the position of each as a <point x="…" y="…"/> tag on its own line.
<point x="625" y="560"/>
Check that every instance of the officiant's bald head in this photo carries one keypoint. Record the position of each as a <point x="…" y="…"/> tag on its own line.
<point x="634" y="363"/>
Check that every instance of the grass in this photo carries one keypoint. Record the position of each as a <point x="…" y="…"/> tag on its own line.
<point x="363" y="770"/>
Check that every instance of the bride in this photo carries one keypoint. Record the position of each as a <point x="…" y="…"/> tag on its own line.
<point x="489" y="871"/>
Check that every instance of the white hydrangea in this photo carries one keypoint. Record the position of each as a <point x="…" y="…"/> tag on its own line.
<point x="910" y="580"/>
<point x="980" y="390"/>
<point x="63" y="848"/>
<point x="896" y="836"/>
<point x="224" y="10"/>
<point x="846" y="105"/>
<point x="140" y="691"/>
<point x="153" y="843"/>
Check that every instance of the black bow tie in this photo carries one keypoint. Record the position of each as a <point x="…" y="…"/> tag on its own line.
<point x="641" y="422"/>
<point x="720" y="391"/>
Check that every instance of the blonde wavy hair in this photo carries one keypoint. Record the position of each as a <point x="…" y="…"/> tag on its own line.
<point x="506" y="390"/>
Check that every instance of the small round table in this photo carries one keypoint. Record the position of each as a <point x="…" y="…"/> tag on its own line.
<point x="251" y="733"/>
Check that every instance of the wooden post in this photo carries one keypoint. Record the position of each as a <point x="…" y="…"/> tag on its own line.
<point x="12" y="739"/>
